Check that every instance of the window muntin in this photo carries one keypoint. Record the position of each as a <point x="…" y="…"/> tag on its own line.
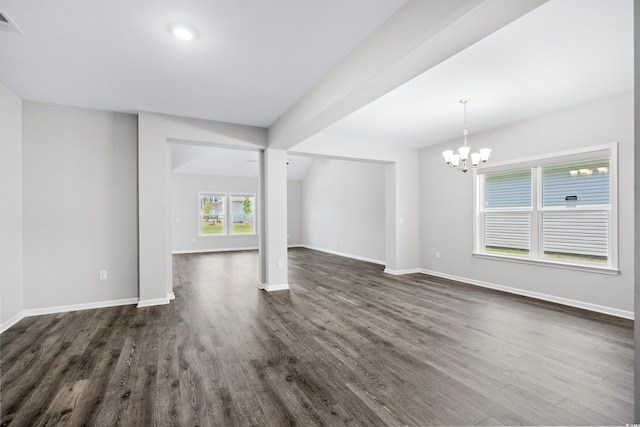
<point x="571" y="217"/>
<point x="242" y="213"/>
<point x="212" y="214"/>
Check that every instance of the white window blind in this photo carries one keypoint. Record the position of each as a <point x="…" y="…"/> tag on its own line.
<point x="505" y="231"/>
<point x="576" y="233"/>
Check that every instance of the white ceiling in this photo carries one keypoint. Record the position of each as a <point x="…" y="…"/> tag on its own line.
<point x="254" y="59"/>
<point x="251" y="61"/>
<point x="564" y="53"/>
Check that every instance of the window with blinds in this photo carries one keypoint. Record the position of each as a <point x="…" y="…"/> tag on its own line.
<point x="558" y="209"/>
<point x="576" y="204"/>
<point x="507" y="212"/>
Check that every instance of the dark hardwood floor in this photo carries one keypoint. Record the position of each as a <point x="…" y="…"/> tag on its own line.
<point x="347" y="345"/>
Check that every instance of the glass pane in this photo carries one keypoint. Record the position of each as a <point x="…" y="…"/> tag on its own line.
<point x="212" y="213"/>
<point x="508" y="189"/>
<point x="576" y="236"/>
<point x="577" y="184"/>
<point x="242" y="214"/>
<point x="507" y="233"/>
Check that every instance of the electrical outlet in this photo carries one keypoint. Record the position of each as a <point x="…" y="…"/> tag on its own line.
<point x="280" y="263"/>
<point x="437" y="254"/>
<point x="103" y="274"/>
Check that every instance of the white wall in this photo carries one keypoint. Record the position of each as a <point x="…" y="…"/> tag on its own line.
<point x="294" y="212"/>
<point x="79" y="172"/>
<point x="185" y="212"/>
<point x="11" y="257"/>
<point x="446" y="205"/>
<point x="343" y="208"/>
<point x="401" y="186"/>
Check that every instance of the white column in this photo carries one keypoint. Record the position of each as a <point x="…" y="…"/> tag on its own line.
<point x="391" y="255"/>
<point x="154" y="254"/>
<point x="402" y="204"/>
<point x="273" y="223"/>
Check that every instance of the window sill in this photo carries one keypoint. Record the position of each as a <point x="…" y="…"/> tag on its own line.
<point x="547" y="263"/>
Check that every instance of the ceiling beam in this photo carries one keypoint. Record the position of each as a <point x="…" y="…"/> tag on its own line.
<point x="418" y="37"/>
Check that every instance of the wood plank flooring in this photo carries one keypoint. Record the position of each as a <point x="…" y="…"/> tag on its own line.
<point x="347" y="345"/>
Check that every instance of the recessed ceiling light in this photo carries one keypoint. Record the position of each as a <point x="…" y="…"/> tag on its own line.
<point x="183" y="32"/>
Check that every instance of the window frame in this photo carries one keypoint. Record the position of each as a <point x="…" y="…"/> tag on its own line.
<point x="224" y="214"/>
<point x="536" y="255"/>
<point x="511" y="210"/>
<point x="227" y="229"/>
<point x="253" y="214"/>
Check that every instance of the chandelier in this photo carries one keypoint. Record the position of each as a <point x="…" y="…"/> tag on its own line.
<point x="460" y="161"/>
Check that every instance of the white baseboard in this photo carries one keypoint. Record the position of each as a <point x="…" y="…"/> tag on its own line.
<point x="401" y="272"/>
<point x="86" y="306"/>
<point x="343" y="254"/>
<point x="537" y="295"/>
<point x="204" y="251"/>
<point x="152" y="302"/>
<point x="63" y="309"/>
<point x="9" y="323"/>
<point x="273" y="288"/>
<point x="76" y="307"/>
